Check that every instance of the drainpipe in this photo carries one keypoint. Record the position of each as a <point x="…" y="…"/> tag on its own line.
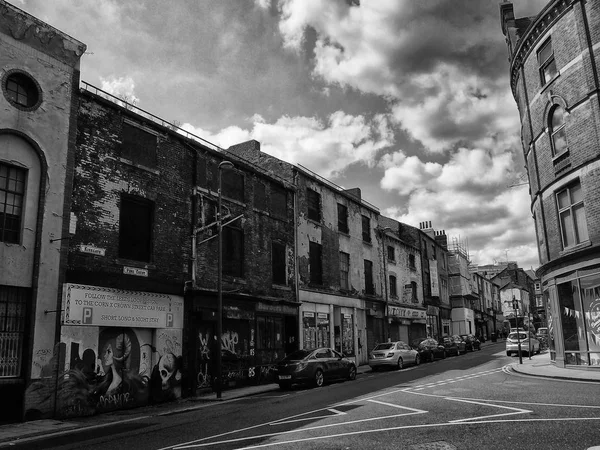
<point x="296" y="274"/>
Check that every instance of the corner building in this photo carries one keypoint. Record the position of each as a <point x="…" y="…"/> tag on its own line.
<point x="554" y="76"/>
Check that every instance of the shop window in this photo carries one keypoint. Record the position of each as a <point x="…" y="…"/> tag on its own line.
<point x="313" y="200"/>
<point x="138" y="145"/>
<point x="344" y="270"/>
<point x="278" y="263"/>
<point x="393" y="288"/>
<point x="369" y="286"/>
<point x="136" y="220"/>
<point x="366" y="229"/>
<point x="278" y="202"/>
<point x="12" y="192"/>
<point x="269" y="333"/>
<point x="315" y="263"/>
<point x="391" y="253"/>
<point x="13" y="315"/>
<point x="347" y="335"/>
<point x="260" y="196"/>
<point x="22" y="91"/>
<point x="309" y="330"/>
<point x="590" y="298"/>
<point x="342" y="211"/>
<point x="233" y="251"/>
<point x="232" y="184"/>
<point x="323" y="330"/>
<point x="572" y="320"/>
<point x="558" y="134"/>
<point x="547" y="63"/>
<point x="572" y="215"/>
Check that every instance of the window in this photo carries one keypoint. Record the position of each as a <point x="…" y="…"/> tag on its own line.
<point x="546" y="62"/>
<point x="344" y="271"/>
<point x="21" y="90"/>
<point x="315" y="263"/>
<point x="391" y="253"/>
<point x="232" y="183"/>
<point x="138" y="145"/>
<point x="278" y="263"/>
<point x="233" y="251"/>
<point x="558" y="134"/>
<point x="12" y="191"/>
<point x="366" y="229"/>
<point x="411" y="262"/>
<point x="393" y="289"/>
<point x="415" y="297"/>
<point x="260" y="196"/>
<point x="13" y="316"/>
<point x="369" y="286"/>
<point x="572" y="215"/>
<point x="313" y="200"/>
<point x="278" y="202"/>
<point x="135" y="228"/>
<point x="342" y="218"/>
<point x="269" y="333"/>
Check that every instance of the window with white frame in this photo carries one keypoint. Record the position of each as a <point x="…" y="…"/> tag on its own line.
<point x="547" y="62"/>
<point x="571" y="213"/>
<point x="558" y="135"/>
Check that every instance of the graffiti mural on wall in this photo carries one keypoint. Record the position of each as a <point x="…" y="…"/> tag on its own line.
<point x="113" y="368"/>
<point x="240" y="362"/>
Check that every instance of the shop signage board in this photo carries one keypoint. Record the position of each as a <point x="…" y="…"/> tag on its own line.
<point x="136" y="271"/>
<point x="406" y="313"/>
<point x="99" y="306"/>
<point x="433" y="275"/>
<point x="92" y="250"/>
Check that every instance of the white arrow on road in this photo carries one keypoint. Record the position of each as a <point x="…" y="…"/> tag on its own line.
<point x="515" y="410"/>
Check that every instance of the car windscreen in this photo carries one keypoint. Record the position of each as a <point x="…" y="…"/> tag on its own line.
<point x="297" y="355"/>
<point x="514" y="336"/>
<point x="386" y="346"/>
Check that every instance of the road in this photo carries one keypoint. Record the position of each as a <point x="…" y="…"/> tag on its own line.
<point x="471" y="401"/>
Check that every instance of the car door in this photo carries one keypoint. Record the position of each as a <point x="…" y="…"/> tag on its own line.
<point x="338" y="364"/>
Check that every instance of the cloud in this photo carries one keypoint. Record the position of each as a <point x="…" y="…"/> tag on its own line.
<point x="122" y="87"/>
<point x="325" y="146"/>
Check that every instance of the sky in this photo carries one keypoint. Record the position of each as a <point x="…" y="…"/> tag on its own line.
<point x="408" y="100"/>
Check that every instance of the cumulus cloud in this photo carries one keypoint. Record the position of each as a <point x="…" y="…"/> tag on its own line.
<point x="122" y="87"/>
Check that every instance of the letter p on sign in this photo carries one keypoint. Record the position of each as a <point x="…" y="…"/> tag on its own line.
<point x="169" y="319"/>
<point x="87" y="316"/>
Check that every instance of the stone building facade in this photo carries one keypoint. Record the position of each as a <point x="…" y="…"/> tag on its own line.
<point x="554" y="65"/>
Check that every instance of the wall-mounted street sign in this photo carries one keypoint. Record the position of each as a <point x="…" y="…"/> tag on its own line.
<point x="135" y="271"/>
<point x="92" y="250"/>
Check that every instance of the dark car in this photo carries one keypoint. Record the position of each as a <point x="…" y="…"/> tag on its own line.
<point x="428" y="349"/>
<point x="313" y="367"/>
<point x="450" y="345"/>
<point x="472" y="342"/>
<point x="460" y="343"/>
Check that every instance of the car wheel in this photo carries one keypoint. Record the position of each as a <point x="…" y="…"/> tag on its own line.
<point x="417" y="360"/>
<point x="319" y="378"/>
<point x="285" y="386"/>
<point x="352" y="373"/>
<point x="400" y="364"/>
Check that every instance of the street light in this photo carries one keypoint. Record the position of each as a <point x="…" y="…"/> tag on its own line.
<point x="224" y="165"/>
<point x="516" y="308"/>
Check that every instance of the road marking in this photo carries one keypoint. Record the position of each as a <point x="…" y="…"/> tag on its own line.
<point x="516" y="410"/>
<point x="414" y="411"/>
<point x="334" y="411"/>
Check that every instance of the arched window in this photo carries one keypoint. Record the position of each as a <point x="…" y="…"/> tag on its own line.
<point x="557" y="130"/>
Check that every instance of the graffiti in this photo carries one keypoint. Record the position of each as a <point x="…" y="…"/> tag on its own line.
<point x="235" y="375"/>
<point x="229" y="340"/>
<point x="204" y="348"/>
<point x="114" y="401"/>
<point x="203" y="378"/>
<point x="166" y="378"/>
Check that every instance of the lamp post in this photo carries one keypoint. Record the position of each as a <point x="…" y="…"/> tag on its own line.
<point x="224" y="165"/>
<point x="516" y="308"/>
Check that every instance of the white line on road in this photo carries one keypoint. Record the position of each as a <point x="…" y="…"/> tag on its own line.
<point x="415" y="411"/>
<point x="515" y="410"/>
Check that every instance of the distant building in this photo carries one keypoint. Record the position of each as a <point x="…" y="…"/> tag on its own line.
<point x="554" y="70"/>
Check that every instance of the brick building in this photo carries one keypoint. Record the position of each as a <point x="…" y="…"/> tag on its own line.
<point x="38" y="112"/>
<point x="554" y="79"/>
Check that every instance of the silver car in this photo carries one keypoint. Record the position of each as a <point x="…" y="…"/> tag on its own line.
<point x="393" y="354"/>
<point x="529" y="343"/>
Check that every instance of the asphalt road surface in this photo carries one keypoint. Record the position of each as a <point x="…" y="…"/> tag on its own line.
<point x="471" y="401"/>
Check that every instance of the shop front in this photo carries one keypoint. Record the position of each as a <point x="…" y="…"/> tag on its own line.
<point x="118" y="349"/>
<point x="573" y="315"/>
<point x="255" y="334"/>
<point x="408" y="323"/>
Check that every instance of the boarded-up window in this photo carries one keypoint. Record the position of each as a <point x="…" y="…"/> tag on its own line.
<point x="138" y="145"/>
<point x="233" y="251"/>
<point x="135" y="228"/>
<point x="278" y="263"/>
<point x="278" y="202"/>
<point x="233" y="185"/>
<point x="369" y="286"/>
<point x="313" y="200"/>
<point x="366" y="229"/>
<point x="260" y="196"/>
<point x="316" y="263"/>
<point x="342" y="211"/>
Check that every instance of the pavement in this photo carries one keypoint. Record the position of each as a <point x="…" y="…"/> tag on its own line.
<point x="19" y="433"/>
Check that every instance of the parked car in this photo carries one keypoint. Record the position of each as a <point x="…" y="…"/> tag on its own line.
<point x="460" y="343"/>
<point x="428" y="349"/>
<point x="450" y="345"/>
<point x="313" y="367"/>
<point x="529" y="343"/>
<point x="393" y="354"/>
<point x="471" y="341"/>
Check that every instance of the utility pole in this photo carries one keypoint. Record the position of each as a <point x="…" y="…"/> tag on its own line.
<point x="516" y="309"/>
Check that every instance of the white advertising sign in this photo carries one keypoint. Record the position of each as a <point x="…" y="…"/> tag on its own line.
<point x="98" y="306"/>
<point x="406" y="313"/>
<point x="433" y="275"/>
